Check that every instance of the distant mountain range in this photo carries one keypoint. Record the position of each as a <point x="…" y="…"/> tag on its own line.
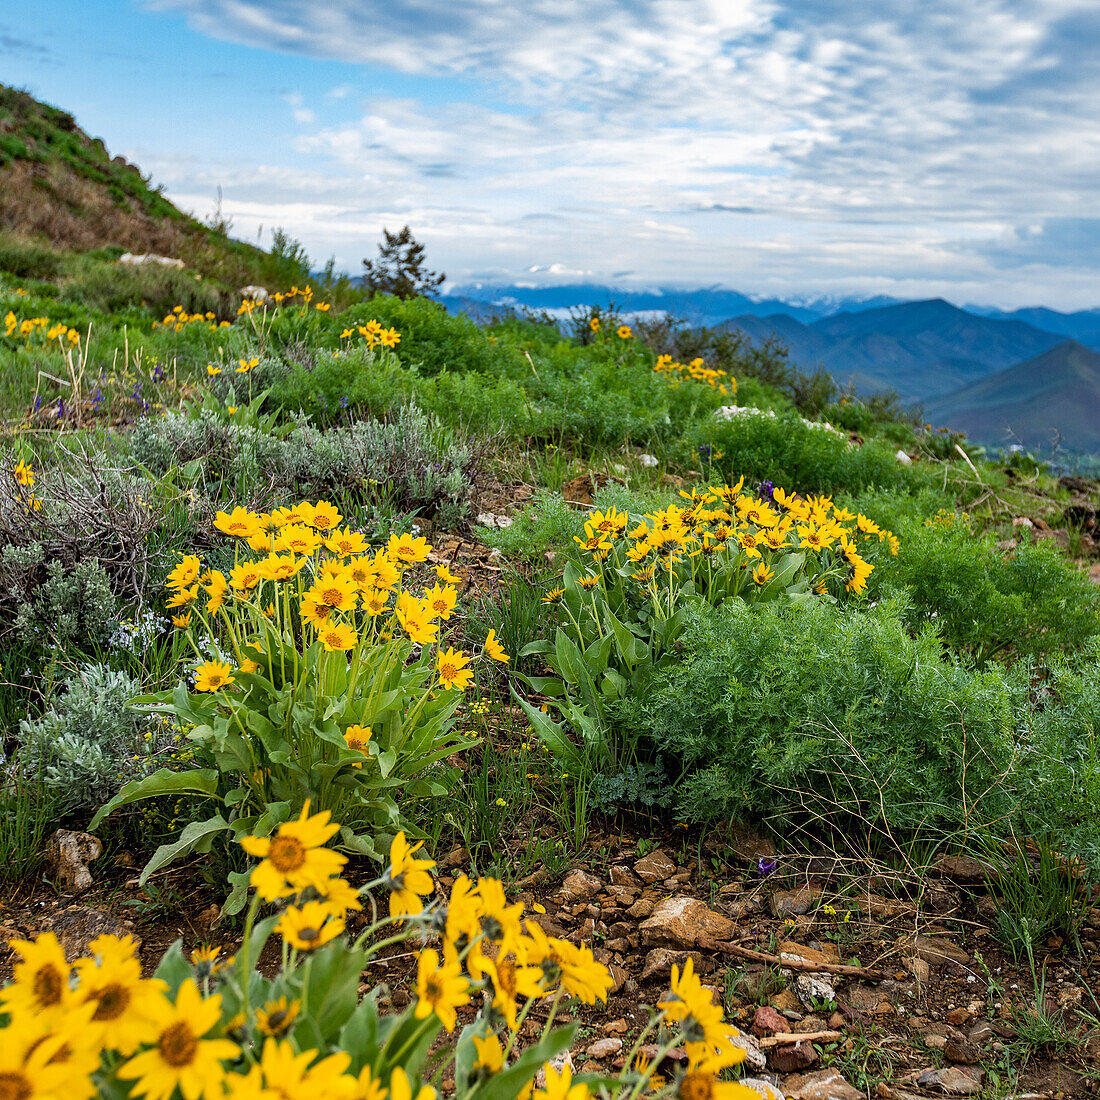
<point x="920" y="349"/>
<point x="1052" y="397"/>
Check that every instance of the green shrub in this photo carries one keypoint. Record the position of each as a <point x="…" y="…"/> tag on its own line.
<point x="432" y="339"/>
<point x="788" y="451"/>
<point x="29" y="261"/>
<point x="114" y="287"/>
<point x="358" y="383"/>
<point x="1030" y="601"/>
<point x="842" y="717"/>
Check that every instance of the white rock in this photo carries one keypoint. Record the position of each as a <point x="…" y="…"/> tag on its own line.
<point x="257" y="293"/>
<point x="149" y="258"/>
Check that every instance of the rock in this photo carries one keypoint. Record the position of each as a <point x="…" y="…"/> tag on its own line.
<point x="654" y="867"/>
<point x="812" y="989"/>
<point x="787" y="1003"/>
<point x="616" y="1027"/>
<point x="681" y="921"/>
<point x="935" y="1042"/>
<point x="579" y="885"/>
<point x="68" y="854"/>
<point x="641" y="908"/>
<point x="919" y="968"/>
<point x="255" y="293"/>
<point x="793" y="903"/>
<point x="967" y="869"/>
<point x="660" y="961"/>
<point x="961" y="1052"/>
<point x="824" y="1084"/>
<point x="748" y="845"/>
<point x="788" y="949"/>
<point x="622" y="876"/>
<point x="77" y="926"/>
<point x="767" y="1021"/>
<point x="604" y="1048"/>
<point x="619" y="977"/>
<point x="456" y="857"/>
<point x="557" y="1064"/>
<point x="981" y="1032"/>
<point x="754" y="1057"/>
<point x="792" y="1058"/>
<point x="953" y="1080"/>
<point x="880" y="908"/>
<point x="936" y="950"/>
<point x="142" y="258"/>
<point x="959" y="1017"/>
<point x="765" y="1087"/>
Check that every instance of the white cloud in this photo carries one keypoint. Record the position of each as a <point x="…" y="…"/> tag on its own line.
<point x="750" y="140"/>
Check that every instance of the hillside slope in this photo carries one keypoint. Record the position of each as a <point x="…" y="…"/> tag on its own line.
<point x="1053" y="395"/>
<point x="61" y="188"/>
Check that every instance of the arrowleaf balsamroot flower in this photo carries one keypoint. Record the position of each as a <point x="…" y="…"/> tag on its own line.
<point x="407" y="878"/>
<point x="295" y="857"/>
<point x="407" y="550"/>
<point x="41" y="985"/>
<point x="338" y="637"/>
<point x="309" y="926"/>
<point x="495" y="649"/>
<point x="213" y="676"/>
<point x="181" y="1058"/>
<point x="453" y="672"/>
<point x="440" y="988"/>
<point x="125" y="1003"/>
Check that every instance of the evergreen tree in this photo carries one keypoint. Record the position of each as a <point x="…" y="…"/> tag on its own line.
<point x="400" y="268"/>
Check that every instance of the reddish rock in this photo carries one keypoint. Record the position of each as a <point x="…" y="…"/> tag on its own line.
<point x="767" y="1021"/>
<point x="793" y="1058"/>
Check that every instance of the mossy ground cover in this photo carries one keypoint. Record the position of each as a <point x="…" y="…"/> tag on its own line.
<point x="861" y="726"/>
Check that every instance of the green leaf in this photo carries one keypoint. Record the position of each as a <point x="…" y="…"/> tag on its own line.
<point x="198" y="781"/>
<point x="173" y="968"/>
<point x="197" y="837"/>
<point x="548" y="731"/>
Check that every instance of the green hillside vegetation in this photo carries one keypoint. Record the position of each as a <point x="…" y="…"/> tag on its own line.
<point x="525" y="595"/>
<point x="1052" y="397"/>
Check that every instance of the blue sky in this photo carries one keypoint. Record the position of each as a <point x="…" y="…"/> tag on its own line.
<point x="782" y="147"/>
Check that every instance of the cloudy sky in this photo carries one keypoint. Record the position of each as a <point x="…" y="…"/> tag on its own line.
<point x="780" y="147"/>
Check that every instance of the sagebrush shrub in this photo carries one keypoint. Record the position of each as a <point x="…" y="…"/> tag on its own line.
<point x="54" y="604"/>
<point x="418" y="465"/>
<point x="89" y="742"/>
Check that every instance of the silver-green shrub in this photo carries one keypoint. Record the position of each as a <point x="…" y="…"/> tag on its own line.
<point x="90" y="741"/>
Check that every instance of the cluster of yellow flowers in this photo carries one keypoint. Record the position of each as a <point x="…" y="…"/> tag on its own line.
<point x="623" y="332"/>
<point x="698" y="371"/>
<point x="374" y="335"/>
<point x="724" y="520"/>
<point x="280" y="296"/>
<point x="244" y="366"/>
<point x="349" y="597"/>
<point x="179" y="319"/>
<point x="95" y="1026"/>
<point x="40" y="328"/>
